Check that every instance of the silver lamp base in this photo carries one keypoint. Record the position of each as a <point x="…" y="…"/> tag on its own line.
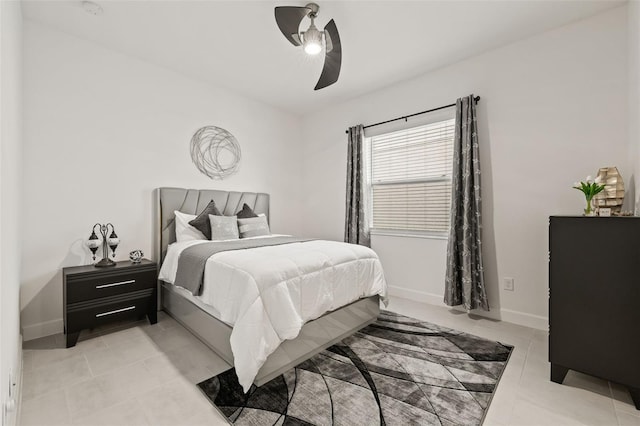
<point x="105" y="262"/>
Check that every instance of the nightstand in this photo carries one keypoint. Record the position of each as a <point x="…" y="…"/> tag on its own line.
<point x="95" y="296"/>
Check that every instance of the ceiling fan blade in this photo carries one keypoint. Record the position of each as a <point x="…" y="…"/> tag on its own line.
<point x="288" y="19"/>
<point x="332" y="57"/>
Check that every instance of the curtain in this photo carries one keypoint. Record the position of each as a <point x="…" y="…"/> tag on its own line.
<point x="464" y="282"/>
<point x="356" y="230"/>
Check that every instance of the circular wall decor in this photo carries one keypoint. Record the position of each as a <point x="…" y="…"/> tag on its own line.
<point x="215" y="152"/>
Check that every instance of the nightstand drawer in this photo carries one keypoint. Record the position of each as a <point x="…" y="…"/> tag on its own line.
<point x="87" y="288"/>
<point x="97" y="312"/>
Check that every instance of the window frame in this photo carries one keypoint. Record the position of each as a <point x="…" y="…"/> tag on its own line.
<point x="369" y="185"/>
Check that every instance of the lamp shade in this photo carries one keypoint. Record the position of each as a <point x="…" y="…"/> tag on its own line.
<point x="93" y="242"/>
<point x="113" y="240"/>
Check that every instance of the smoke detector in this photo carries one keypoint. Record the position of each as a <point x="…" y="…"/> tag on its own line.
<point x="92" y="8"/>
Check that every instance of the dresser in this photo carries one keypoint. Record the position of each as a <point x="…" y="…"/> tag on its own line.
<point x="594" y="298"/>
<point x="96" y="296"/>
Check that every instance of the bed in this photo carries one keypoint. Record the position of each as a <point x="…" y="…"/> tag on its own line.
<point x="210" y="324"/>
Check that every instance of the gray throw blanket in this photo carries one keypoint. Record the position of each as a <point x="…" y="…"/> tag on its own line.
<point x="193" y="259"/>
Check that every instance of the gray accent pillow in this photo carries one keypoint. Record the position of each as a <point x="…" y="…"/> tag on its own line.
<point x="253" y="226"/>
<point x="246" y="212"/>
<point x="201" y="222"/>
<point x="223" y="227"/>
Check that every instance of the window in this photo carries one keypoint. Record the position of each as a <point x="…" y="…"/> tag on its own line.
<point x="410" y="179"/>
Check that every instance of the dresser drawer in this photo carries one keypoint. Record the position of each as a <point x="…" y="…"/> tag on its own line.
<point x="94" y="287"/>
<point x="91" y="314"/>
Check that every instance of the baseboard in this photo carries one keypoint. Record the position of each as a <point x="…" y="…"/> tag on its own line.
<point x="42" y="329"/>
<point x="415" y="295"/>
<point x="523" y="318"/>
<point x="508" y="315"/>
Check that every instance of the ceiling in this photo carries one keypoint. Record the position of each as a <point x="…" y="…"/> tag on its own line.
<point x="237" y="44"/>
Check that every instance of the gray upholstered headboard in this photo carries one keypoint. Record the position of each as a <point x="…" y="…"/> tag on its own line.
<point x="192" y="201"/>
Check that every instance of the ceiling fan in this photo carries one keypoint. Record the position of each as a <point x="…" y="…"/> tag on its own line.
<point x="289" y="19"/>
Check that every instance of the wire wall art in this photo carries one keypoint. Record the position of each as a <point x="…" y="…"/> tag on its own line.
<point x="215" y="152"/>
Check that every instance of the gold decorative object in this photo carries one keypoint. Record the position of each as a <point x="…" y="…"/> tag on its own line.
<point x="613" y="194"/>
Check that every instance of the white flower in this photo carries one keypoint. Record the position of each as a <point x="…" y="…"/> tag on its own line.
<point x="598" y="179"/>
<point x="589" y="179"/>
<point x="576" y="184"/>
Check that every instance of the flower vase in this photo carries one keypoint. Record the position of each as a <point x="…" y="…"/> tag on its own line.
<point x="590" y="210"/>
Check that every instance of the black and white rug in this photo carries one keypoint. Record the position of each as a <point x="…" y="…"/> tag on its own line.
<point x="397" y="370"/>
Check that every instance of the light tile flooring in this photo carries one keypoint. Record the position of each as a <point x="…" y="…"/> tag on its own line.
<point x="145" y="375"/>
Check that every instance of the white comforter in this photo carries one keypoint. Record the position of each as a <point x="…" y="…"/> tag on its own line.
<point x="268" y="293"/>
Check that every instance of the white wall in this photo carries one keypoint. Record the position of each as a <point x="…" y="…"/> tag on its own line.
<point x="553" y="110"/>
<point x="10" y="159"/>
<point x="634" y="92"/>
<point x="102" y="130"/>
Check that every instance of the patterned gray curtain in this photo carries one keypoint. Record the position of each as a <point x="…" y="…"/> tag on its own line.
<point x="464" y="283"/>
<point x="356" y="229"/>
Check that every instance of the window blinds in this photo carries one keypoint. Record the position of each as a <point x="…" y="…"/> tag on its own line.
<point x="411" y="178"/>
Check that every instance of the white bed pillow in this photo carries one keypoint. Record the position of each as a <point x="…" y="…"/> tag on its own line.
<point x="224" y="227"/>
<point x="184" y="231"/>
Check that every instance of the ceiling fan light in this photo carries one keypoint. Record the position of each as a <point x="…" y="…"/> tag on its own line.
<point x="312" y="48"/>
<point x="312" y="40"/>
<point x="289" y="20"/>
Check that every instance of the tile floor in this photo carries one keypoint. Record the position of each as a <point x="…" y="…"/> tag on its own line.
<point x="144" y="375"/>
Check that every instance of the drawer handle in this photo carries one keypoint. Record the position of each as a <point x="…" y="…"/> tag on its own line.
<point x="114" y="284"/>
<point x="115" y="312"/>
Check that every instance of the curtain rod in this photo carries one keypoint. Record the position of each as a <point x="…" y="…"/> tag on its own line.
<point x="477" y="99"/>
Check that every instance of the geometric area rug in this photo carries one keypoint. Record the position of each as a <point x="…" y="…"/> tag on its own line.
<point x="396" y="371"/>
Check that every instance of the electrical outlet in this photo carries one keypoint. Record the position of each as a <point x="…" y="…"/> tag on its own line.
<point x="508" y="283"/>
<point x="9" y="404"/>
<point x="12" y="383"/>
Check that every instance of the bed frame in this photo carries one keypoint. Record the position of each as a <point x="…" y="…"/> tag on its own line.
<point x="315" y="335"/>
